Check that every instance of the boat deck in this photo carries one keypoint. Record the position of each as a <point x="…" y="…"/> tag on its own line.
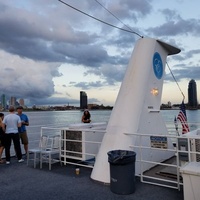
<point x="19" y="181"/>
<point x="166" y="172"/>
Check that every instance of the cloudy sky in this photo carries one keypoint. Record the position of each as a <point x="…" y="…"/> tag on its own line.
<point x="49" y="52"/>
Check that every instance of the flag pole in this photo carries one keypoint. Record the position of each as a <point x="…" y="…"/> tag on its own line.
<point x="176" y="126"/>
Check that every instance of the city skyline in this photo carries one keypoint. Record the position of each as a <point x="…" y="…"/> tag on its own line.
<point x="192" y="99"/>
<point x="12" y="101"/>
<point x="49" y="52"/>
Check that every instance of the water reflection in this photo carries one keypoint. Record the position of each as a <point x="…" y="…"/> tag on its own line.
<point x="64" y="118"/>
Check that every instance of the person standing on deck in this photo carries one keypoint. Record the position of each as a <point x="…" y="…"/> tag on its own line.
<point x="2" y="138"/>
<point x="11" y="122"/>
<point x="22" y="130"/>
<point x="86" y="116"/>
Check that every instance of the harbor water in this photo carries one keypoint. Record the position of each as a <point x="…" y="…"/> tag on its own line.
<point x="57" y="119"/>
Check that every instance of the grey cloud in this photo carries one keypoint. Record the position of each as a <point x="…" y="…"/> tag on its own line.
<point x="130" y="9"/>
<point x="95" y="71"/>
<point x="186" y="55"/>
<point x="178" y="27"/>
<point x="55" y="73"/>
<point x="170" y="14"/>
<point x="93" y="100"/>
<point x="143" y="7"/>
<point x="111" y="74"/>
<point x="191" y="53"/>
<point x="88" y="55"/>
<point x="68" y="94"/>
<point x="87" y="85"/>
<point x="39" y="35"/>
<point x="179" y="58"/>
<point x="9" y="69"/>
<point x="52" y="101"/>
<point x="26" y="78"/>
<point x="2" y="7"/>
<point x="123" y="41"/>
<point x="184" y="72"/>
<point x="122" y="11"/>
<point x="30" y="34"/>
<point x="34" y="36"/>
<point x="21" y="38"/>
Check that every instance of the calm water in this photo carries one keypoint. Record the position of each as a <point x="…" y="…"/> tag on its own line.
<point x="64" y="118"/>
<point x="59" y="119"/>
<point x="193" y="117"/>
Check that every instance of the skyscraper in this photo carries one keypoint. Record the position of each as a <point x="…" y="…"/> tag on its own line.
<point x="83" y="100"/>
<point x="21" y="102"/>
<point x="3" y="101"/>
<point x="192" y="94"/>
<point x="12" y="101"/>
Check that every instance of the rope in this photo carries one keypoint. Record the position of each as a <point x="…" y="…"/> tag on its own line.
<point x="113" y="15"/>
<point x="100" y="19"/>
<point x="176" y="81"/>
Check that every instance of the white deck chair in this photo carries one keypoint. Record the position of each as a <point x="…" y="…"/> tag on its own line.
<point x="36" y="151"/>
<point x="51" y="155"/>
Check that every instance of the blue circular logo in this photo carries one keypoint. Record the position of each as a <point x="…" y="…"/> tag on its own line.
<point x="157" y="65"/>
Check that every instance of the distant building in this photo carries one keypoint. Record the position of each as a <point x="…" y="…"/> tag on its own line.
<point x="93" y="106"/>
<point x="83" y="100"/>
<point x="192" y="94"/>
<point x="169" y="104"/>
<point x="3" y="102"/>
<point x="21" y="102"/>
<point x="12" y="101"/>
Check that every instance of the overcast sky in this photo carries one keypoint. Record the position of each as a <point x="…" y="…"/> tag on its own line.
<point x="49" y="52"/>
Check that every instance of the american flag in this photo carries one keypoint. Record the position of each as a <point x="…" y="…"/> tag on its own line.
<point x="183" y="118"/>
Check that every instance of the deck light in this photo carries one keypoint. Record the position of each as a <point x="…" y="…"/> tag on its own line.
<point x="154" y="91"/>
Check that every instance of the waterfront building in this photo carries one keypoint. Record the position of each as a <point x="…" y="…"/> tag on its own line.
<point x="169" y="104"/>
<point x="3" y="101"/>
<point x="13" y="101"/>
<point x="93" y="106"/>
<point x="83" y="100"/>
<point x="192" y="94"/>
<point x="21" y="102"/>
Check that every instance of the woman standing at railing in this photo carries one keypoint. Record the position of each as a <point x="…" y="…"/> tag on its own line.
<point x="86" y="116"/>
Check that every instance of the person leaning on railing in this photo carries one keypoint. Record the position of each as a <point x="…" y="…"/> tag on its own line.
<point x="86" y="116"/>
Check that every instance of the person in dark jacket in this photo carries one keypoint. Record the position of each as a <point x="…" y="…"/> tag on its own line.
<point x="86" y="116"/>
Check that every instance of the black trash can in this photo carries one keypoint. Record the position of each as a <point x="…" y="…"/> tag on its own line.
<point x="122" y="171"/>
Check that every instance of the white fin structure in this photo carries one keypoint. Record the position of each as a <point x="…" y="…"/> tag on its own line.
<point x="137" y="107"/>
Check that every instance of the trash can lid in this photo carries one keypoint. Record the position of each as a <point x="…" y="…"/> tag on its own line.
<point x="191" y="168"/>
<point x="121" y="156"/>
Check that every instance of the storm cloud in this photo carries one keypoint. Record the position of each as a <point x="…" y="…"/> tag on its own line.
<point x="37" y="37"/>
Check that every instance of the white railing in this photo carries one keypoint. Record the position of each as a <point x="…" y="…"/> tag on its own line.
<point x="150" y="176"/>
<point x="187" y="150"/>
<point x="84" y="156"/>
<point x="83" y="151"/>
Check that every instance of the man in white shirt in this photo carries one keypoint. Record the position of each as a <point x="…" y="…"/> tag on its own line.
<point x="11" y="122"/>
